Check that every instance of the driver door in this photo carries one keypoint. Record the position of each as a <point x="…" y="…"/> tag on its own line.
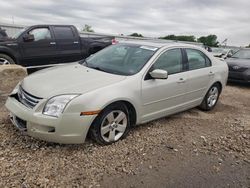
<point x="40" y="51"/>
<point x="161" y="97"/>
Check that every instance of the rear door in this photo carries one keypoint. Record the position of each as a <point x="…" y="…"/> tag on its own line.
<point x="68" y="43"/>
<point x="200" y="75"/>
<point x="161" y="97"/>
<point x="42" y="50"/>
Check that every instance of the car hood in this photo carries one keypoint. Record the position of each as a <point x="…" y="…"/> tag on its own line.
<point x="6" y="40"/>
<point x="70" y="79"/>
<point x="239" y="62"/>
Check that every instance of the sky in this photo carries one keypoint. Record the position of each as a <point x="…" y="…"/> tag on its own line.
<point x="228" y="19"/>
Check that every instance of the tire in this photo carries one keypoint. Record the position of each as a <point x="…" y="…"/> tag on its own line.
<point x="211" y="98"/>
<point x="5" y="59"/>
<point x="106" y="129"/>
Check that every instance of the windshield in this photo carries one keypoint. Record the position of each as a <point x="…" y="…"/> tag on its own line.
<point x="15" y="36"/>
<point x="122" y="59"/>
<point x="242" y="54"/>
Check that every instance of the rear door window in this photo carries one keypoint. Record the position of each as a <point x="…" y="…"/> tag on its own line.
<point x="63" y="32"/>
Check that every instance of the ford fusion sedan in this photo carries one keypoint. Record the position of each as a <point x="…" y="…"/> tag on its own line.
<point x="239" y="66"/>
<point x="119" y="87"/>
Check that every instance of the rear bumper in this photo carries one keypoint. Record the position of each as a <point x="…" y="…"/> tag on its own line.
<point x="69" y="128"/>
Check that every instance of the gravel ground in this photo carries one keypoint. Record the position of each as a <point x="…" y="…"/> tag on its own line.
<point x="189" y="149"/>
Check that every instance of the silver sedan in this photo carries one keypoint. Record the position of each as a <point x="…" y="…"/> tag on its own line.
<point x="119" y="87"/>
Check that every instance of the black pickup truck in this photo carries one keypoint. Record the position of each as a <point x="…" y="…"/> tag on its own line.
<point x="46" y="45"/>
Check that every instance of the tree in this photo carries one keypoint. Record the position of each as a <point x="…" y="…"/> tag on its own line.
<point x="87" y="28"/>
<point x="189" y="38"/>
<point x="210" y="40"/>
<point x="136" y="35"/>
<point x="248" y="46"/>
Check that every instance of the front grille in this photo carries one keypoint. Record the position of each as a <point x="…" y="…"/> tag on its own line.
<point x="27" y="99"/>
<point x="236" y="68"/>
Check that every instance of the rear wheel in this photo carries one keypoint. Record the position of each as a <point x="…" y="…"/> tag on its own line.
<point x="111" y="125"/>
<point x="6" y="60"/>
<point x="211" y="98"/>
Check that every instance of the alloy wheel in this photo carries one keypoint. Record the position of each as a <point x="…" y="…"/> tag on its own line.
<point x="114" y="126"/>
<point x="4" y="61"/>
<point x="212" y="96"/>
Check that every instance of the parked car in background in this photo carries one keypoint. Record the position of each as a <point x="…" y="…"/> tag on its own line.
<point x="222" y="52"/>
<point x="122" y="85"/>
<point x="239" y="66"/>
<point x="43" y="45"/>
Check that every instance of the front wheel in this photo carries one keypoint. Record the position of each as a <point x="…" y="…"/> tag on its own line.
<point x="6" y="60"/>
<point x="111" y="125"/>
<point x="211" y="98"/>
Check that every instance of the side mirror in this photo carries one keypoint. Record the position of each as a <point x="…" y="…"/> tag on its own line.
<point x="28" y="38"/>
<point x="229" y="55"/>
<point x="159" y="74"/>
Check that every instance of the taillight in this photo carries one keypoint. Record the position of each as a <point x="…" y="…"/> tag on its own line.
<point x="114" y="41"/>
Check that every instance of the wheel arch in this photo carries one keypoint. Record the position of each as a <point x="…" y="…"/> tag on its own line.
<point x="10" y="55"/>
<point x="131" y="110"/>
<point x="219" y="84"/>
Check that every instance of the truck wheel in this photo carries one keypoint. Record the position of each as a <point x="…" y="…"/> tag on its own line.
<point x="111" y="125"/>
<point x="6" y="60"/>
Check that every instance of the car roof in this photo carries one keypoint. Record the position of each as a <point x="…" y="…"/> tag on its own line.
<point x="51" y="25"/>
<point x="158" y="44"/>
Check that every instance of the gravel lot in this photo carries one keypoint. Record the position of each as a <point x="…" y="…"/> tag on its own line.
<point x="190" y="149"/>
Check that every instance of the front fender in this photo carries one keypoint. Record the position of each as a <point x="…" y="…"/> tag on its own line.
<point x="101" y="98"/>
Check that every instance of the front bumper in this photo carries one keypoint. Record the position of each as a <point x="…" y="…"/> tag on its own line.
<point x="243" y="77"/>
<point x="69" y="128"/>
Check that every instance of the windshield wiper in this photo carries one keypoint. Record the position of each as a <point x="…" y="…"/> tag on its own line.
<point x="98" y="68"/>
<point x="83" y="62"/>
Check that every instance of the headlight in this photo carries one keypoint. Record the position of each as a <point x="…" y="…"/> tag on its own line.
<point x="56" y="105"/>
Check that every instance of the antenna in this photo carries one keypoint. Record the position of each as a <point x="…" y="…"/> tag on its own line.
<point x="224" y="42"/>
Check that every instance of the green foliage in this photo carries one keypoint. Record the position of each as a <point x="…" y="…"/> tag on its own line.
<point x="136" y="35"/>
<point x="189" y="38"/>
<point x="210" y="40"/>
<point x="87" y="28"/>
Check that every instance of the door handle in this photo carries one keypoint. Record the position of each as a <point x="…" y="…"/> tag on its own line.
<point x="211" y="73"/>
<point x="52" y="43"/>
<point x="76" y="42"/>
<point x="181" y="80"/>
